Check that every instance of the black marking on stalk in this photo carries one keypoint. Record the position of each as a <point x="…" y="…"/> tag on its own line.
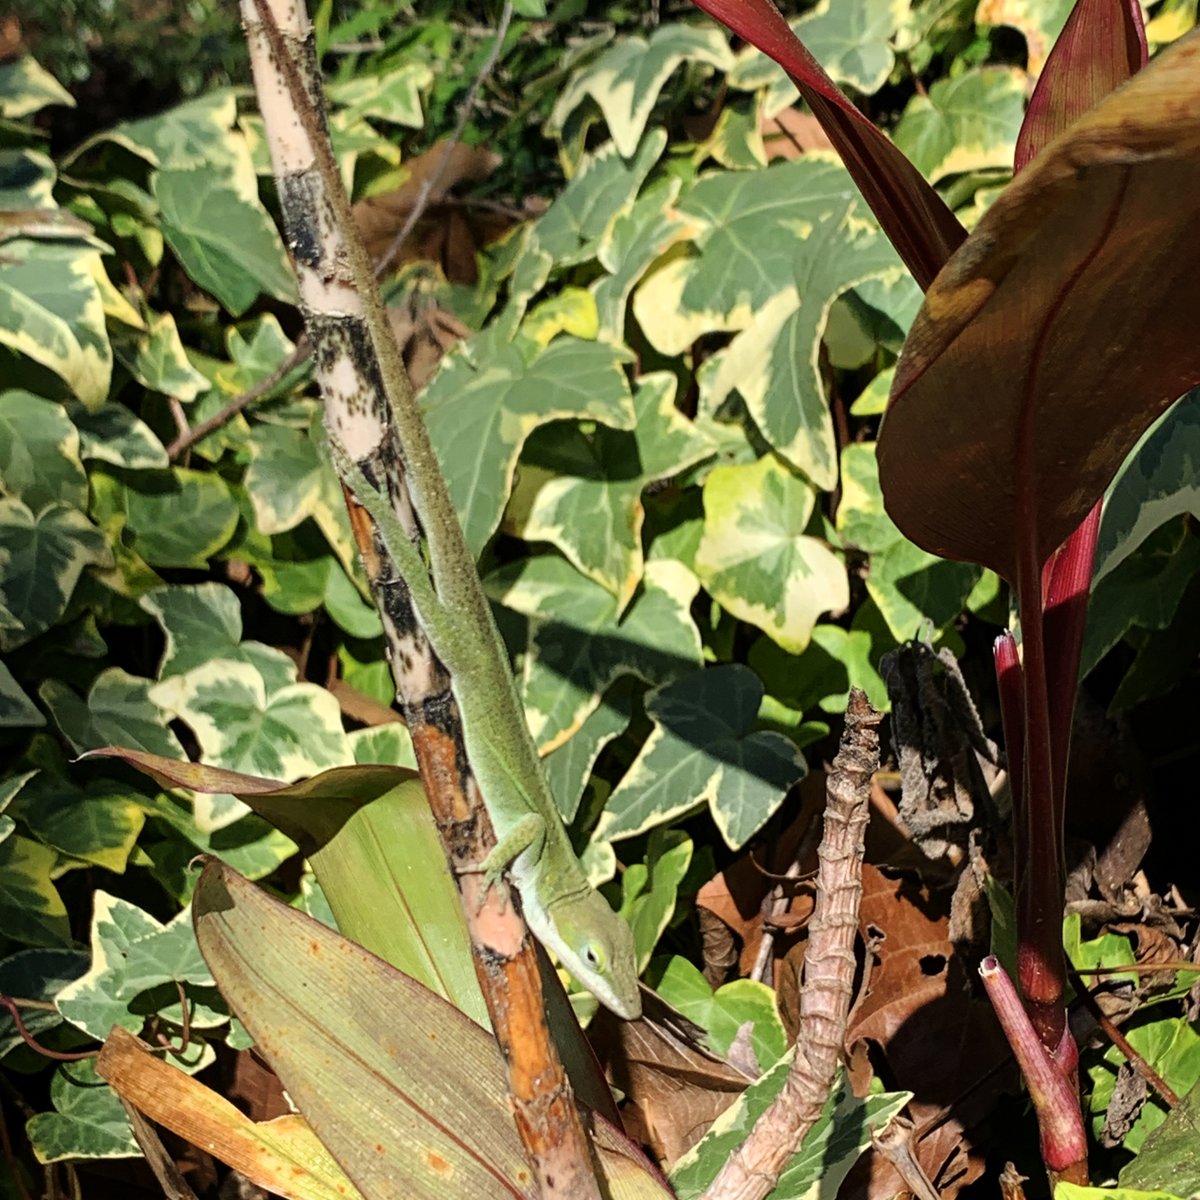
<point x="296" y="202"/>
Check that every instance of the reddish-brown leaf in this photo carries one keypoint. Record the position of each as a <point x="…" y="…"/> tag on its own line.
<point x="1056" y="334"/>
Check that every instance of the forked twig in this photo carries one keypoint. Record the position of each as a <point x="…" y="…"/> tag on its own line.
<point x="754" y="1168"/>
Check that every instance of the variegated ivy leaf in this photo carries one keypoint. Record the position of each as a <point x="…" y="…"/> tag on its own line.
<point x="88" y="1122"/>
<point x="285" y="477"/>
<point x="1040" y="22"/>
<point x="17" y="711"/>
<point x="160" y="363"/>
<point x="485" y="401"/>
<point x="638" y="236"/>
<point x="736" y="141"/>
<point x="774" y="362"/>
<point x="42" y="558"/>
<point x="571" y="228"/>
<point x="394" y="96"/>
<point x="36" y="975"/>
<point x="39" y="452"/>
<point x="131" y="954"/>
<point x="27" y="180"/>
<point x="830" y="1148"/>
<point x="31" y="910"/>
<point x="1159" y="481"/>
<point x="751" y="222"/>
<point x="626" y="79"/>
<point x="175" y="518"/>
<point x="26" y="88"/>
<point x="581" y="490"/>
<point x="966" y="123"/>
<point x="851" y="39"/>
<point x="909" y="585"/>
<point x="97" y="824"/>
<point x="114" y="435"/>
<point x="574" y="655"/>
<point x="755" y="558"/>
<point x="704" y="750"/>
<point x="834" y="661"/>
<point x="287" y="734"/>
<point x="569" y="767"/>
<point x="118" y="711"/>
<point x="202" y="622"/>
<point x="51" y="311"/>
<point x="726" y="1011"/>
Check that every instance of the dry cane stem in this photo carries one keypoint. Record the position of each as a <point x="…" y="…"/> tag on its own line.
<point x="753" y="1170"/>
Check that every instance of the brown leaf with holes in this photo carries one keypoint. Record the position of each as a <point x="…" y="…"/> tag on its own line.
<point x="446" y="232"/>
<point x="931" y="1035"/>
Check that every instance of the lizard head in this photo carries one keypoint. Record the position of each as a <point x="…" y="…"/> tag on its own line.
<point x="595" y="945"/>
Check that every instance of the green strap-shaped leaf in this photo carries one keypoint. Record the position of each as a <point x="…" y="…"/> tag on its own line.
<point x="703" y="750"/>
<point x="755" y="558"/>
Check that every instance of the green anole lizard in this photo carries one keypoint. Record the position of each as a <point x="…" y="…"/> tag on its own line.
<point x="561" y="908"/>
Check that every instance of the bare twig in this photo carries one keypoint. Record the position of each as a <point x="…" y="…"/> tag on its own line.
<point x="464" y="113"/>
<point x="753" y="1170"/>
<point x="1118" y="1039"/>
<point x="189" y="437"/>
<point x="895" y="1143"/>
<point x="35" y="1045"/>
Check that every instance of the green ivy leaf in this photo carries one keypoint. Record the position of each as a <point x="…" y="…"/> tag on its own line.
<point x="285" y="477"/>
<point x="132" y="953"/>
<point x="650" y="889"/>
<point x="569" y="767"/>
<point x="98" y="824"/>
<point x="829" y="1150"/>
<point x="1040" y="22"/>
<point x="112" y="434"/>
<point x="27" y="88"/>
<point x="176" y="518"/>
<point x="43" y="557"/>
<point x="833" y="662"/>
<point x="161" y="364"/>
<point x="1170" y="1155"/>
<point x="774" y="362"/>
<point x="745" y="254"/>
<point x="637" y="236"/>
<point x="31" y="910"/>
<point x="39" y="452"/>
<point x="576" y="653"/>
<point x="966" y="123"/>
<point x="36" y="975"/>
<point x="581" y="490"/>
<point x="909" y="585"/>
<point x="625" y="79"/>
<point x="119" y="711"/>
<point x="755" y="559"/>
<point x="51" y="311"/>
<point x="88" y="1120"/>
<point x="484" y="402"/>
<point x="203" y="622"/>
<point x="292" y="732"/>
<point x="852" y="40"/>
<point x="394" y="96"/>
<point x="225" y="241"/>
<point x="1159" y="481"/>
<point x="723" y="1012"/>
<point x="703" y="750"/>
<point x="17" y="711"/>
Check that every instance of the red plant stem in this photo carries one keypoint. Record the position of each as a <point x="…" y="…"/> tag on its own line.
<point x="1054" y="1096"/>
<point x="35" y="1045"/>
<point x="1066" y="586"/>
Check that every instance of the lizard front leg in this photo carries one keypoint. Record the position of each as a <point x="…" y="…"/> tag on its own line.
<point x="528" y="834"/>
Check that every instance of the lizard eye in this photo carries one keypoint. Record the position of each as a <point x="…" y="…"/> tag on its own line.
<point x="593" y="955"/>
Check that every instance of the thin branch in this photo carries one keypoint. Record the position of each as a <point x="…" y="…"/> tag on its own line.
<point x="464" y="113"/>
<point x="190" y="437"/>
<point x="753" y="1170"/>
